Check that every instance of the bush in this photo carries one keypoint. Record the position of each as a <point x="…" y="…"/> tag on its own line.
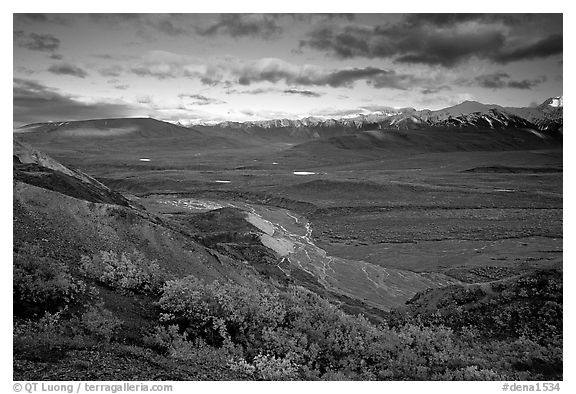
<point x="279" y="333"/>
<point x="273" y="368"/>
<point x="130" y="272"/>
<point x="47" y="338"/>
<point x="43" y="283"/>
<point x="168" y="341"/>
<point x="100" y="323"/>
<point x="296" y="334"/>
<point x="54" y="334"/>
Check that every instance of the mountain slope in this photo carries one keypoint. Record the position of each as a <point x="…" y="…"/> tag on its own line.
<point x="35" y="168"/>
<point x="546" y="116"/>
<point x="67" y="214"/>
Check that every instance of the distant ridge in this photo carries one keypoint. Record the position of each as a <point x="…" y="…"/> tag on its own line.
<point x="468" y="114"/>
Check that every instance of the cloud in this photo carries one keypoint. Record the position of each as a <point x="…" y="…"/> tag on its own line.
<point x="435" y="89"/>
<point x="275" y="70"/>
<point x="445" y="39"/>
<point x="446" y="19"/>
<point x="117" y="84"/>
<point x="335" y="112"/>
<point x="160" y="71"/>
<point x="501" y="80"/>
<point x="24" y="70"/>
<point x="145" y="99"/>
<point x="526" y="83"/>
<point x="405" y="44"/>
<point x="234" y="71"/>
<point x="40" y="18"/>
<point x="114" y="70"/>
<point x="306" y="93"/>
<point x="290" y="91"/>
<point x="377" y="108"/>
<point x="242" y="25"/>
<point x="36" y="42"/>
<point x="170" y="28"/>
<point x="169" y="24"/>
<point x="165" y="65"/>
<point x="68" y="69"/>
<point x="35" y="102"/>
<point x="549" y="46"/>
<point x="198" y="99"/>
<point x="56" y="56"/>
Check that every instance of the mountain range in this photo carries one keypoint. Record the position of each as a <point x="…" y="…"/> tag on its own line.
<point x="469" y="114"/>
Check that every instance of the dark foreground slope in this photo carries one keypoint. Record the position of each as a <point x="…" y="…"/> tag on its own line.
<point x="88" y="265"/>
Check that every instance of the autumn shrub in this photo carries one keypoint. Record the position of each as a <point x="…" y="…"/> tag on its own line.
<point x="128" y="272"/>
<point x="42" y="283"/>
<point x="47" y="338"/>
<point x="279" y="333"/>
<point x="295" y="334"/>
<point x="275" y="368"/>
<point x="170" y="342"/>
<point x="99" y="323"/>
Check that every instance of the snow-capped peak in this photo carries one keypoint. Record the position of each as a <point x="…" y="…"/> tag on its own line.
<point x="556" y="102"/>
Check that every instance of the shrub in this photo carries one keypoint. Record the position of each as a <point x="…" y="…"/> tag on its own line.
<point x="170" y="342"/>
<point x="275" y="368"/>
<point x="275" y="331"/>
<point x="100" y="323"/>
<point x="43" y="283"/>
<point x="47" y="338"/>
<point x="296" y="334"/>
<point x="130" y="272"/>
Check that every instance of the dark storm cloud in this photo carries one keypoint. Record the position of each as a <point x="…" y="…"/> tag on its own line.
<point x="239" y="25"/>
<point x="198" y="99"/>
<point x="502" y="80"/>
<point x="431" y="39"/>
<point x="36" y="42"/>
<point x="405" y="45"/>
<point x="447" y="50"/>
<point x="549" y="46"/>
<point x="35" y="102"/>
<point x="68" y="69"/>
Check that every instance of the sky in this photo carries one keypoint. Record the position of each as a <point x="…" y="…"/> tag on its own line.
<point x="212" y="67"/>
